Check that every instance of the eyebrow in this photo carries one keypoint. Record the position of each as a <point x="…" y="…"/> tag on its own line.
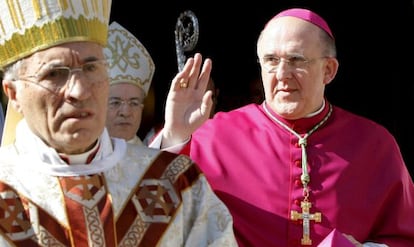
<point x="287" y="54"/>
<point x="91" y="59"/>
<point x="132" y="98"/>
<point x="50" y="64"/>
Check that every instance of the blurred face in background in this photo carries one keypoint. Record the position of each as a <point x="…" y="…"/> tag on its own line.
<point x="125" y="107"/>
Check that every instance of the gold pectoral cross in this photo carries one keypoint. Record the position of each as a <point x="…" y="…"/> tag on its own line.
<point x="306" y="218"/>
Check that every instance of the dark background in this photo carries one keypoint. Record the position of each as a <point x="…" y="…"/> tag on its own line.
<point x="374" y="40"/>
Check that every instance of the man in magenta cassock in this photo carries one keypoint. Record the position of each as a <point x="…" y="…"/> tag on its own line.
<point x="294" y="170"/>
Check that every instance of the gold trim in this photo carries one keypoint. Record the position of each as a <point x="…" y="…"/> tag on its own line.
<point x="60" y="31"/>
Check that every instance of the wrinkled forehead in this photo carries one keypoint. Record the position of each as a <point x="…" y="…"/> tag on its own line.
<point x="71" y="54"/>
<point x="68" y="54"/>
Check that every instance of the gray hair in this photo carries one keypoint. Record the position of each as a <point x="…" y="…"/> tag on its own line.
<point x="10" y="72"/>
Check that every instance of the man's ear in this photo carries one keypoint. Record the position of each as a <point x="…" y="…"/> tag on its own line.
<point x="9" y="89"/>
<point x="332" y="66"/>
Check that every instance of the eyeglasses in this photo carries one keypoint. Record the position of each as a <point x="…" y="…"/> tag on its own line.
<point x="116" y="103"/>
<point x="55" y="78"/>
<point x="272" y="63"/>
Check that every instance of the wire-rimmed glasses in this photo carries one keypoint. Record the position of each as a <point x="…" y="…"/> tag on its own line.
<point x="54" y="78"/>
<point x="272" y="63"/>
<point x="115" y="103"/>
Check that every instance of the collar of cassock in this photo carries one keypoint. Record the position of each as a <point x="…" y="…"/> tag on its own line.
<point x="35" y="153"/>
<point x="302" y="125"/>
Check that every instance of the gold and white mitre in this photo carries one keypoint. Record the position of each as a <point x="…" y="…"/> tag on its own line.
<point x="130" y="62"/>
<point x="28" y="26"/>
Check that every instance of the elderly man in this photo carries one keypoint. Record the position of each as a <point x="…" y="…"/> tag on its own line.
<point x="63" y="180"/>
<point x="287" y="168"/>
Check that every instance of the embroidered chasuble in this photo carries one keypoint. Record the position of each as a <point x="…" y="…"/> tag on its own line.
<point x="88" y="207"/>
<point x="131" y="196"/>
<point x="257" y="167"/>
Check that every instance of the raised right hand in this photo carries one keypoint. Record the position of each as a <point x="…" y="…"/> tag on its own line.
<point x="187" y="108"/>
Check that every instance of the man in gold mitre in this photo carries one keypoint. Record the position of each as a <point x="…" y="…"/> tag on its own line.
<point x="63" y="180"/>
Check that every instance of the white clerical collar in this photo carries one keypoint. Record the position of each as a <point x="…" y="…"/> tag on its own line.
<point x="37" y="155"/>
<point x="318" y="111"/>
<point x="264" y="104"/>
<point x="81" y="158"/>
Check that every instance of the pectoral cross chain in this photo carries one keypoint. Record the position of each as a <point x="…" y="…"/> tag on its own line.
<point x="306" y="217"/>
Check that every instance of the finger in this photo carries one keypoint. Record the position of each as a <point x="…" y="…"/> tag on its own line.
<point x="205" y="74"/>
<point x="195" y="70"/>
<point x="207" y="104"/>
<point x="181" y="77"/>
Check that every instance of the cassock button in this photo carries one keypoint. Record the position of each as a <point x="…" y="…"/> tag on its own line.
<point x="298" y="183"/>
<point x="298" y="163"/>
<point x="296" y="202"/>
